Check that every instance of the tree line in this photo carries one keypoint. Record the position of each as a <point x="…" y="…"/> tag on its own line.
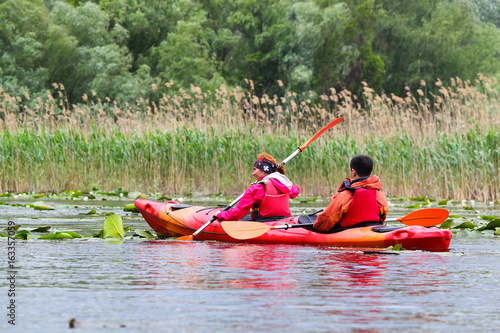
<point x="130" y="49"/>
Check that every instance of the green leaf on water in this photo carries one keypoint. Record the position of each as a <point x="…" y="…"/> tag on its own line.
<point x="76" y="194"/>
<point x="422" y="198"/>
<point x="38" y="196"/>
<point x="113" y="227"/>
<point x="22" y="235"/>
<point x="497" y="231"/>
<point x="454" y="216"/>
<point x="491" y="218"/>
<point x="468" y="208"/>
<point x="465" y="225"/>
<point x="131" y="208"/>
<point x="396" y="247"/>
<point x="40" y="205"/>
<point x="443" y="202"/>
<point x="446" y="224"/>
<point x="414" y="206"/>
<point x="164" y="198"/>
<point x="3" y="235"/>
<point x="98" y="234"/>
<point x="92" y="211"/>
<point x="427" y="202"/>
<point x="5" y="195"/>
<point x="492" y="225"/>
<point x="56" y="236"/>
<point x="143" y="234"/>
<point x="41" y="229"/>
<point x="17" y="226"/>
<point x="91" y="196"/>
<point x="72" y="233"/>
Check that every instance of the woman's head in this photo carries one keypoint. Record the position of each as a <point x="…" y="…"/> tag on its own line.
<point x="267" y="164"/>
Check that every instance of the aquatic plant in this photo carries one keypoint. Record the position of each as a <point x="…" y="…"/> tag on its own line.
<point x="442" y="145"/>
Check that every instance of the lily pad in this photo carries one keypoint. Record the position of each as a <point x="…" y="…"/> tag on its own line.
<point x="497" y="231"/>
<point x="23" y="234"/>
<point x="422" y="198"/>
<point x="144" y="234"/>
<point x="414" y="206"/>
<point x="465" y="225"/>
<point x="443" y="202"/>
<point x="38" y="196"/>
<point x="131" y="208"/>
<point x="492" y="225"/>
<point x="446" y="224"/>
<point x="92" y="211"/>
<point x="76" y="194"/>
<point x="454" y="216"/>
<point x="40" y="205"/>
<point x="56" y="236"/>
<point x="5" y="195"/>
<point x="41" y="229"/>
<point x="113" y="227"/>
<point x="396" y="247"/>
<point x="491" y="218"/>
<point x="17" y="226"/>
<point x="72" y="233"/>
<point x="468" y="208"/>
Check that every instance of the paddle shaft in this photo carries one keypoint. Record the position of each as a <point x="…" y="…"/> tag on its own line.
<point x="215" y="217"/>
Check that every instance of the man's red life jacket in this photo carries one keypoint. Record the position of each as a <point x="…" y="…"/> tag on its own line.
<point x="363" y="208"/>
<point x="274" y="203"/>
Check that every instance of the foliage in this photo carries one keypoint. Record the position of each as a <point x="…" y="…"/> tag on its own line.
<point x="125" y="50"/>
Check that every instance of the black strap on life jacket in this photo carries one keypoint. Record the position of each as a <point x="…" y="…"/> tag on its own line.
<point x="347" y="185"/>
<point x="254" y="212"/>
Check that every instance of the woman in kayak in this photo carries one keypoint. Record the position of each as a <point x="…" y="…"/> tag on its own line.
<point x="267" y="197"/>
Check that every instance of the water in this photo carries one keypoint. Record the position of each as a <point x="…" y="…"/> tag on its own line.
<point x="165" y="286"/>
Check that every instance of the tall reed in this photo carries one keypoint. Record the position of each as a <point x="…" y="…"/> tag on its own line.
<point x="444" y="145"/>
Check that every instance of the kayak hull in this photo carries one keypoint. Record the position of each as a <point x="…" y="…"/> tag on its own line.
<point x="167" y="219"/>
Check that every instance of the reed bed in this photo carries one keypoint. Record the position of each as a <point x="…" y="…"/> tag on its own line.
<point x="441" y="145"/>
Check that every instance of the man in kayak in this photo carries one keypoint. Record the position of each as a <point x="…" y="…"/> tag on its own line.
<point x="267" y="197"/>
<point x="359" y="198"/>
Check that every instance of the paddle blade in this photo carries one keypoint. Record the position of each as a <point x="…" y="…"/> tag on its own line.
<point x="185" y="238"/>
<point x="245" y="230"/>
<point x="425" y="217"/>
<point x="321" y="131"/>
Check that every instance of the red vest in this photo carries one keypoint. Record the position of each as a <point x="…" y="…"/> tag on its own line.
<point x="363" y="208"/>
<point x="274" y="203"/>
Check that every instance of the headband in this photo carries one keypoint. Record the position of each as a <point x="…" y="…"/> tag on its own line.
<point x="265" y="166"/>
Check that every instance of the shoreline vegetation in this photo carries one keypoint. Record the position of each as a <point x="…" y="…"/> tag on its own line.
<point x="444" y="145"/>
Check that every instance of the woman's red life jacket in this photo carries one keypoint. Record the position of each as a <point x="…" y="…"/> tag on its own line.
<point x="274" y="203"/>
<point x="363" y="208"/>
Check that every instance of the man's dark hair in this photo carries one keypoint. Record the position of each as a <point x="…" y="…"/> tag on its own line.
<point x="362" y="164"/>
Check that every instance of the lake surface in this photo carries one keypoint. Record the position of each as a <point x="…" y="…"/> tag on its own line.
<point x="143" y="285"/>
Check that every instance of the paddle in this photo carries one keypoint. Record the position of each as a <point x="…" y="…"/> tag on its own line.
<point x="246" y="230"/>
<point x="299" y="150"/>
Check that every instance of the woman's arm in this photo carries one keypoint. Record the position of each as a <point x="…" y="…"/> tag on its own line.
<point x="253" y="194"/>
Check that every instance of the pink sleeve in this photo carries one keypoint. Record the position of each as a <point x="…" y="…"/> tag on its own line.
<point x="252" y="194"/>
<point x="294" y="192"/>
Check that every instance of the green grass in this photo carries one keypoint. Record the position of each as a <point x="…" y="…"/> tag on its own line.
<point x="207" y="161"/>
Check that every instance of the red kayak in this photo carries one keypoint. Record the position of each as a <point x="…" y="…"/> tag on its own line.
<point x="172" y="219"/>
